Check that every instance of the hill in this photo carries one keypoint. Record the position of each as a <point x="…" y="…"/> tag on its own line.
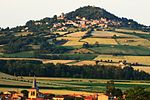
<point x="90" y="12"/>
<point x="81" y="37"/>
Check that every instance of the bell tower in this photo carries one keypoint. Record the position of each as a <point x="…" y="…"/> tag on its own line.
<point x="34" y="91"/>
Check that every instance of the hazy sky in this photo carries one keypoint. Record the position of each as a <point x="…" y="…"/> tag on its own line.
<point x="18" y="12"/>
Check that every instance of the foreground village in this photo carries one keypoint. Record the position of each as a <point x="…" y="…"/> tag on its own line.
<point x="34" y="94"/>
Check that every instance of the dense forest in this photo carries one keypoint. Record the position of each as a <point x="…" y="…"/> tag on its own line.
<point x="31" y="68"/>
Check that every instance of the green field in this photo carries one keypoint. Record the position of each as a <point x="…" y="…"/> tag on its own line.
<point x="71" y="84"/>
<point x="121" y="50"/>
<point x="25" y="54"/>
<point x="71" y="56"/>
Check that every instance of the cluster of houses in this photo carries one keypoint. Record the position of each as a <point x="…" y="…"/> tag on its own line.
<point x="82" y="22"/>
<point x="79" y="22"/>
<point x="35" y="94"/>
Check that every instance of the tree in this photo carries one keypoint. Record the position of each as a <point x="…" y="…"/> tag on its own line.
<point x="86" y="45"/>
<point x="96" y="44"/>
<point x="55" y="18"/>
<point x="25" y="93"/>
<point x="109" y="87"/>
<point x="137" y="93"/>
<point x="117" y="92"/>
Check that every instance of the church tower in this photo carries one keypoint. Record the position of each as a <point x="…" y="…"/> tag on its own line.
<point x="34" y="91"/>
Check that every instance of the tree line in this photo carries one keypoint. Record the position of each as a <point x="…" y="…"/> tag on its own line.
<point x="31" y="68"/>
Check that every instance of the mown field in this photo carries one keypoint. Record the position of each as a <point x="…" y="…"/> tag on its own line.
<point x="68" y="85"/>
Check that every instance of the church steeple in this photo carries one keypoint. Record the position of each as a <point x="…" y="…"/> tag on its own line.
<point x="34" y="85"/>
<point x="34" y="91"/>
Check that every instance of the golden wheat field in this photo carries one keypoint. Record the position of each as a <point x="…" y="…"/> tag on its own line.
<point x="146" y="69"/>
<point x="109" y="34"/>
<point x="45" y="61"/>
<point x="100" y="41"/>
<point x="130" y="59"/>
<point x="85" y="62"/>
<point x="134" y="41"/>
<point x="23" y="33"/>
<point x="58" y="61"/>
<point x="72" y="41"/>
<point x="110" y="57"/>
<point x="69" y="38"/>
<point x="65" y="92"/>
<point x="77" y="34"/>
<point x="57" y="92"/>
<point x="140" y="59"/>
<point x="131" y="31"/>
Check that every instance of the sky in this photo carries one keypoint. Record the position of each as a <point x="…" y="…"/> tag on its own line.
<point x="18" y="12"/>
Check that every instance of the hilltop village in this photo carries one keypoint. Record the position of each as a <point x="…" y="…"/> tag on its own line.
<point x="82" y="22"/>
<point x="62" y="23"/>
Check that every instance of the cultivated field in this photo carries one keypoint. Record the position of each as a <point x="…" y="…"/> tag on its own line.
<point x="69" y="38"/>
<point x="108" y="34"/>
<point x="131" y="59"/>
<point x="71" y="41"/>
<point x="45" y="61"/>
<point x="85" y="62"/>
<point x="81" y="51"/>
<point x="58" y="61"/>
<point x="121" y="49"/>
<point x="142" y="68"/>
<point x="131" y="31"/>
<point x="77" y="34"/>
<point x="100" y="41"/>
<point x="134" y="42"/>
